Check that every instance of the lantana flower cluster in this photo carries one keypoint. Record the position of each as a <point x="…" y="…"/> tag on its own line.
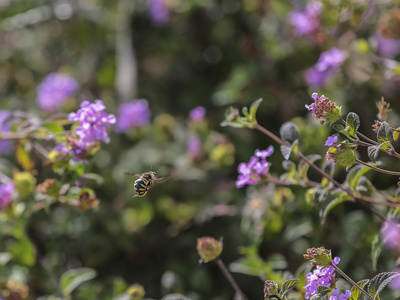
<point x="93" y="123"/>
<point x="324" y="109"/>
<point x="256" y="169"/>
<point x="55" y="89"/>
<point x="307" y="21"/>
<point x="6" y="191"/>
<point x="159" y="11"/>
<point x="133" y="114"/>
<point x="326" y="66"/>
<point x="390" y="233"/>
<point x="321" y="276"/>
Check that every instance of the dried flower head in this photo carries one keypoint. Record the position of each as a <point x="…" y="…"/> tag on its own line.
<point x="324" y="109"/>
<point x="319" y="256"/>
<point x="270" y="288"/>
<point x="383" y="108"/>
<point x="208" y="248"/>
<point x="136" y="292"/>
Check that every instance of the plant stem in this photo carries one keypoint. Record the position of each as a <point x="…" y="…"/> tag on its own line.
<point x="352" y="282"/>
<point x="378" y="169"/>
<point x="322" y="173"/>
<point x="367" y="138"/>
<point x="228" y="276"/>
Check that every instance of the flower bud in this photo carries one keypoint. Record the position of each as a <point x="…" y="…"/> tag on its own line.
<point x="136" y="292"/>
<point x="49" y="187"/>
<point x="319" y="256"/>
<point x="208" y="248"/>
<point x="270" y="288"/>
<point x="24" y="183"/>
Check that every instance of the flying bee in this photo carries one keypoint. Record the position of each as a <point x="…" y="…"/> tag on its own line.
<point x="144" y="182"/>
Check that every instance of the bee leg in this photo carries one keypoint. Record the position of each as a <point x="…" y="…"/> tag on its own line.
<point x="137" y="195"/>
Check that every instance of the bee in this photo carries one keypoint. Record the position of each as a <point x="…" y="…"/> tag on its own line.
<point x="144" y="182"/>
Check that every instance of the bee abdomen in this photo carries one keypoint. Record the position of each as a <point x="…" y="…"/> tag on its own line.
<point x="141" y="186"/>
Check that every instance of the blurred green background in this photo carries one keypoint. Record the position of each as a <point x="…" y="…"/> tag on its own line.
<point x="211" y="53"/>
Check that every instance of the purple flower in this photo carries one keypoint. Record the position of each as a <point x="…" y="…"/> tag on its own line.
<point x="54" y="90"/>
<point x="326" y="66"/>
<point x="390" y="232"/>
<point x="197" y="114"/>
<point x="387" y="47"/>
<point x="93" y="123"/>
<point x="308" y="21"/>
<point x="320" y="276"/>
<point x="6" y="191"/>
<point x="194" y="147"/>
<point x="265" y="153"/>
<point x="133" y="114"/>
<point x="158" y="11"/>
<point x="5" y="145"/>
<point x="255" y="170"/>
<point x="336" y="293"/>
<point x="395" y="283"/>
<point x="331" y="140"/>
<point x="324" y="109"/>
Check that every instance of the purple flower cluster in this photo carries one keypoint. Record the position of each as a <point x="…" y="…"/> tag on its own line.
<point x="307" y="21"/>
<point x="387" y="47"/>
<point x="54" y="90"/>
<point x="395" y="283"/>
<point x="326" y="66"/>
<point x="255" y="169"/>
<point x="6" y="191"/>
<point x="93" y="123"/>
<point x="390" y="233"/>
<point x="5" y="145"/>
<point x="194" y="147"/>
<point x="197" y="114"/>
<point x="320" y="276"/>
<point x="158" y="11"/>
<point x="133" y="114"/>
<point x="324" y="109"/>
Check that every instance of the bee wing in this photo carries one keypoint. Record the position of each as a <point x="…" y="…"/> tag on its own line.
<point x="162" y="179"/>
<point x="128" y="173"/>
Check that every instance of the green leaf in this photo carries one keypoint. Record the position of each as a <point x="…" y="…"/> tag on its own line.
<point x="287" y="286"/>
<point x="352" y="123"/>
<point x="376" y="248"/>
<point x="288" y="132"/>
<point x="253" y="110"/>
<point x="330" y="201"/>
<point x="54" y="127"/>
<point x="376" y="285"/>
<point x="373" y="152"/>
<point x="322" y="291"/>
<point x="396" y="133"/>
<point x="71" y="279"/>
<point x="385" y="146"/>
<point x="384" y="133"/>
<point x="22" y="250"/>
<point x="355" y="292"/>
<point x="303" y="167"/>
<point x="22" y="154"/>
<point x="339" y="127"/>
<point x="346" y="157"/>
<point x="287" y="150"/>
<point x="355" y="175"/>
<point x="245" y="111"/>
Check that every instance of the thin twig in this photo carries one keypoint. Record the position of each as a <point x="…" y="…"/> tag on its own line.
<point x="352" y="282"/>
<point x="228" y="276"/>
<point x="378" y="169"/>
<point x="322" y="173"/>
